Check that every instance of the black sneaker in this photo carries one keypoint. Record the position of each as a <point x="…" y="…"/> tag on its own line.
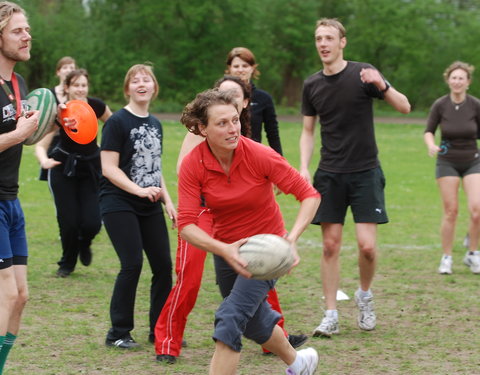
<point x="63" y="273"/>
<point x="85" y="256"/>
<point x="184" y="343"/>
<point x="297" y="340"/>
<point x="170" y="359"/>
<point x="126" y="343"/>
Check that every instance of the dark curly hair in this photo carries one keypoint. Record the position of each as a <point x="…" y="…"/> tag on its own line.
<point x="195" y="113"/>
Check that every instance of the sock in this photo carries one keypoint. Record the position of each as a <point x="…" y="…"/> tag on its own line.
<point x="364" y="294"/>
<point x="7" y="345"/>
<point x="297" y="366"/>
<point x="331" y="314"/>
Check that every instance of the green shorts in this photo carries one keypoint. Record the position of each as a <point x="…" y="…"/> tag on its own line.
<point x="362" y="191"/>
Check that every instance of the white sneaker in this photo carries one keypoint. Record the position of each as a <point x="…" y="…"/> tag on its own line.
<point x="445" y="266"/>
<point x="472" y="261"/>
<point x="366" y="316"/>
<point x="327" y="327"/>
<point x="309" y="358"/>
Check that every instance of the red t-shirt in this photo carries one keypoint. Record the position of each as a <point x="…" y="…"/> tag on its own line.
<point x="242" y="203"/>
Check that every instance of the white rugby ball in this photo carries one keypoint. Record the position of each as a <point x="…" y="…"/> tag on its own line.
<point x="269" y="256"/>
<point x="43" y="101"/>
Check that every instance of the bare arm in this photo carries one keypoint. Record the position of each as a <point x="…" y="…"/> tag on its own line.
<point x="111" y="171"/>
<point x="169" y="206"/>
<point x="429" y="139"/>
<point x="393" y="97"/>
<point x="307" y="142"/>
<point x="26" y="126"/>
<point x="189" y="143"/>
<point x="41" y="149"/>
<point x="308" y="208"/>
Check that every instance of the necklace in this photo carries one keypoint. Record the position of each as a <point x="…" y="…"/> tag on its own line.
<point x="458" y="105"/>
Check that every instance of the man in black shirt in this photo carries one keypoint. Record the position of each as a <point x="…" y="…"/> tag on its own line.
<point x="349" y="173"/>
<point x="16" y="124"/>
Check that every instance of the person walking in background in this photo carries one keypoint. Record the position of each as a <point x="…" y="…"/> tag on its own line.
<point x="132" y="192"/>
<point x="349" y="172"/>
<point x="190" y="260"/>
<point x="234" y="175"/>
<point x="16" y="124"/>
<point x="64" y="66"/>
<point x="241" y="62"/>
<point x="458" y="116"/>
<point x="73" y="177"/>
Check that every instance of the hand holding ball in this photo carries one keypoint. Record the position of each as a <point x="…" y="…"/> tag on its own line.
<point x="44" y="102"/>
<point x="269" y="256"/>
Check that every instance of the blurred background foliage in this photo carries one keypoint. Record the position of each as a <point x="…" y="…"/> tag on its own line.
<point x="410" y="41"/>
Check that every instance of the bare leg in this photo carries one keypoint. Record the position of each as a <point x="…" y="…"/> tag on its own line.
<point x="225" y="360"/>
<point x="330" y="267"/>
<point x="471" y="185"/>
<point x="8" y="297"/>
<point x="278" y="344"/>
<point x="449" y="192"/>
<point x="22" y="297"/>
<point x="367" y="259"/>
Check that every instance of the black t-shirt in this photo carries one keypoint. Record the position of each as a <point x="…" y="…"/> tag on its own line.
<point x="459" y="125"/>
<point x="139" y="141"/>
<point x="345" y="107"/>
<point x="10" y="158"/>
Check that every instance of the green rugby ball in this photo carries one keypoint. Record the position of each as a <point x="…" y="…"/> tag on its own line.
<point x="43" y="101"/>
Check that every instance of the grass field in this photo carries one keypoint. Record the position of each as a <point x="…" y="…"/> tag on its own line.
<point x="427" y="323"/>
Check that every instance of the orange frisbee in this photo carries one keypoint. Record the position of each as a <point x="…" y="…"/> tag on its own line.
<point x="86" y="127"/>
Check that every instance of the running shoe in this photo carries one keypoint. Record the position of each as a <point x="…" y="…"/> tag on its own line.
<point x="366" y="315"/>
<point x="472" y="261"/>
<point x="445" y="266"/>
<point x="125" y="343"/>
<point x="309" y="358"/>
<point x="327" y="327"/>
<point x="166" y="358"/>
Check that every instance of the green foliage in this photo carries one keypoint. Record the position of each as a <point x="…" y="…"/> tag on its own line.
<point x="409" y="41"/>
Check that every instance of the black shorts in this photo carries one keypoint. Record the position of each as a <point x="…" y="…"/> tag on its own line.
<point x="362" y="191"/>
<point x="446" y="168"/>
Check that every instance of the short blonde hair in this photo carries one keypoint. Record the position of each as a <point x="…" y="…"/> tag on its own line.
<point x="7" y="9"/>
<point x="332" y="22"/>
<point x="145" y="68"/>
<point x="458" y="65"/>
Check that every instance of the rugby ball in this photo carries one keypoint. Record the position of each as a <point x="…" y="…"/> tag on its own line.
<point x="269" y="256"/>
<point x="43" y="101"/>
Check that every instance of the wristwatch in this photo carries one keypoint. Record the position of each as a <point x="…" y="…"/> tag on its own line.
<point x="387" y="86"/>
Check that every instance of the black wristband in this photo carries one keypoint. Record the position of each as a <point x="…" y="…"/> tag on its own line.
<point x="387" y="86"/>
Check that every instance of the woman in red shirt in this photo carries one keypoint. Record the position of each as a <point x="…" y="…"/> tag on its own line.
<point x="235" y="176"/>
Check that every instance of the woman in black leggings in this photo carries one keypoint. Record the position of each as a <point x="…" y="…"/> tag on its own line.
<point x="73" y="178"/>
<point x="131" y="196"/>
